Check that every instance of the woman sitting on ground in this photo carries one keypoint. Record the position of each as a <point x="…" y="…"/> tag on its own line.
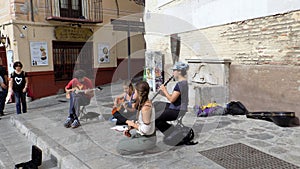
<point x="124" y="103"/>
<point x="144" y="137"/>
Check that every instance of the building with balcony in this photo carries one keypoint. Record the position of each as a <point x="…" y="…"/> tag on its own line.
<point x="53" y="37"/>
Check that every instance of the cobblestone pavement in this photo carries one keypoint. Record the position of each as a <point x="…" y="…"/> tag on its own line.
<point x="93" y="145"/>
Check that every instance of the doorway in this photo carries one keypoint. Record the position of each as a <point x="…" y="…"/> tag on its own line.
<point x="68" y="56"/>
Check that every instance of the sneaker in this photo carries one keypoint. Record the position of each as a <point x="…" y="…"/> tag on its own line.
<point x="75" y="124"/>
<point x="112" y="119"/>
<point x="68" y="122"/>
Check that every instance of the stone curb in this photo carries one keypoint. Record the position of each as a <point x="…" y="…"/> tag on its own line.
<point x="64" y="158"/>
<point x="5" y="161"/>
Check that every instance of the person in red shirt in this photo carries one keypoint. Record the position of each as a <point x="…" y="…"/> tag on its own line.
<point x="78" y="90"/>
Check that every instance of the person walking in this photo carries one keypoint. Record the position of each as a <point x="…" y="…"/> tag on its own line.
<point x="3" y="87"/>
<point x="18" y="85"/>
<point x="3" y="93"/>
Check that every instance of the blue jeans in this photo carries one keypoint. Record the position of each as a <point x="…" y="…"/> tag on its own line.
<point x="77" y="100"/>
<point x="20" y="98"/>
<point x="3" y="95"/>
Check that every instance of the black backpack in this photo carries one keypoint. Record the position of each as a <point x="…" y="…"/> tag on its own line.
<point x="180" y="135"/>
<point x="236" y="108"/>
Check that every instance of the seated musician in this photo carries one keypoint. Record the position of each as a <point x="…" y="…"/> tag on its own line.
<point x="178" y="99"/>
<point x="80" y="95"/>
<point x="124" y="102"/>
<point x="144" y="138"/>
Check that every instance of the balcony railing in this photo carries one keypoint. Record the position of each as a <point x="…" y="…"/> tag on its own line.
<point x="87" y="11"/>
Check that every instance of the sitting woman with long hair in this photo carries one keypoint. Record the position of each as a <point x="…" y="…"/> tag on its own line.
<point x="178" y="99"/>
<point x="125" y="102"/>
<point x="144" y="137"/>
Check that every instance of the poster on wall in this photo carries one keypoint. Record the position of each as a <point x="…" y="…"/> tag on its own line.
<point x="103" y="53"/>
<point x="154" y="69"/>
<point x="150" y="78"/>
<point x="10" y="61"/>
<point x="39" y="53"/>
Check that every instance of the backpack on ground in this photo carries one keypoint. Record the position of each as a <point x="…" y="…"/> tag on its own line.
<point x="236" y="108"/>
<point x="179" y="135"/>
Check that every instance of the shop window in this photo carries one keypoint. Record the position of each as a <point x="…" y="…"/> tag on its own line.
<point x="70" y="8"/>
<point x="68" y="56"/>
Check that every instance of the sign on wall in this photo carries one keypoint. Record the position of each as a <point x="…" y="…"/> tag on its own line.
<point x="153" y="69"/>
<point x="10" y="61"/>
<point x="103" y="53"/>
<point x="73" y="34"/>
<point x="39" y="53"/>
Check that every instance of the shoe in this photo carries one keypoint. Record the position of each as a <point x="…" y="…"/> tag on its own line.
<point x="112" y="119"/>
<point x="1" y="114"/>
<point x="68" y="122"/>
<point x="75" y="124"/>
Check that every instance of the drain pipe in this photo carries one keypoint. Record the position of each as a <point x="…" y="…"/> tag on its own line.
<point x="118" y="9"/>
<point x="31" y="10"/>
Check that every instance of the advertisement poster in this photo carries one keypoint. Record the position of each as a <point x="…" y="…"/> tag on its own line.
<point x="153" y="69"/>
<point x="103" y="53"/>
<point x="39" y="53"/>
<point x="10" y="61"/>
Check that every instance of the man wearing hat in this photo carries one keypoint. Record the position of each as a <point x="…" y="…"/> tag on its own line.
<point x="178" y="99"/>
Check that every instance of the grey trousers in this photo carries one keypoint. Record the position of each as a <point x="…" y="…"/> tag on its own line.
<point x="135" y="144"/>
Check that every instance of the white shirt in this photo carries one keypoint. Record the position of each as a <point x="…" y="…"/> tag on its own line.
<point x="145" y="129"/>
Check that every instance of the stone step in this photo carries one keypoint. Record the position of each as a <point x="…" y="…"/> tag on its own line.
<point x="15" y="148"/>
<point x="57" y="154"/>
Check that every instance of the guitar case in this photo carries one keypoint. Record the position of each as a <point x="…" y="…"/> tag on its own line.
<point x="283" y="119"/>
<point x="36" y="160"/>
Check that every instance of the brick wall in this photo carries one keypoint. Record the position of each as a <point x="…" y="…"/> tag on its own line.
<point x="266" y="58"/>
<point x="267" y="40"/>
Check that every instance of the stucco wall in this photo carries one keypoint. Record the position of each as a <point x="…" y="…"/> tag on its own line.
<point x="265" y="87"/>
<point x="207" y="13"/>
<point x="32" y="34"/>
<point x="20" y="9"/>
<point x="43" y="30"/>
<point x="4" y="11"/>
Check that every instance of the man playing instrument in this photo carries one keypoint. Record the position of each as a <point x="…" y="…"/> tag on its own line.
<point x="80" y="92"/>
